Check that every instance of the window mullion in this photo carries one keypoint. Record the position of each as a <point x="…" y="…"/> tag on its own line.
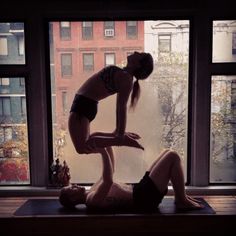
<point x="201" y="101"/>
<point x="37" y="102"/>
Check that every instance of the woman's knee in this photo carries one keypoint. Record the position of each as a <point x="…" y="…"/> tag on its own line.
<point x="173" y="156"/>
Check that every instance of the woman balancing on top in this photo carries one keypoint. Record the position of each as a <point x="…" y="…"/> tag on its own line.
<point x="110" y="80"/>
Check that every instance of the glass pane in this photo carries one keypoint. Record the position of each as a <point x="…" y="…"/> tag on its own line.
<point x="14" y="156"/>
<point x="224" y="41"/>
<point x="12" y="45"/>
<point x="223" y="127"/>
<point x="161" y="115"/>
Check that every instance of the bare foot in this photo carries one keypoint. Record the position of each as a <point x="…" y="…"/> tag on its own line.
<point x="128" y="141"/>
<point x="188" y="204"/>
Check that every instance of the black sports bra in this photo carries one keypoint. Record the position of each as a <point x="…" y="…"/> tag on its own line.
<point x="107" y="75"/>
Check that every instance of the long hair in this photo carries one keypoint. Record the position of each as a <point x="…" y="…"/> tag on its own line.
<point x="145" y="69"/>
<point x="135" y="95"/>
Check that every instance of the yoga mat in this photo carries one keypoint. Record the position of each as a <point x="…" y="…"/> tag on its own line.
<point x="45" y="207"/>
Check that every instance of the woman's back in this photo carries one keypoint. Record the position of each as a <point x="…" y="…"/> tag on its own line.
<point x="104" y="83"/>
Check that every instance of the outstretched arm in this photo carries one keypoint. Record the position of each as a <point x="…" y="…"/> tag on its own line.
<point x="112" y="158"/>
<point x="97" y="195"/>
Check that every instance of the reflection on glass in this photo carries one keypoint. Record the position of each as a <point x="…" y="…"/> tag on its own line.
<point x="12" y="45"/>
<point x="223" y="127"/>
<point x="224" y="41"/>
<point x="161" y="115"/>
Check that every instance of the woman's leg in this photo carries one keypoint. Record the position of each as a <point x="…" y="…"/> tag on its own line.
<point x="158" y="159"/>
<point x="169" y="168"/>
<point x="79" y="129"/>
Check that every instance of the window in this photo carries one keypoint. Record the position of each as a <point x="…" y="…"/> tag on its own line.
<point x="87" y="30"/>
<point x="164" y="43"/>
<point x="21" y="45"/>
<point x="5" y="134"/>
<point x="234" y="43"/>
<point x="88" y="62"/>
<point x="223" y="111"/>
<point x="165" y="92"/>
<point x="66" y="64"/>
<point x="64" y="102"/>
<point x="224" y="41"/>
<point x="23" y="106"/>
<point x="109" y="29"/>
<point x="65" y="30"/>
<point x="4" y="82"/>
<point x="131" y="29"/>
<point x="12" y="46"/>
<point x="109" y="59"/>
<point x="207" y="35"/>
<point x="3" y="46"/>
<point x="14" y="156"/>
<point x="5" y="106"/>
<point x="223" y="98"/>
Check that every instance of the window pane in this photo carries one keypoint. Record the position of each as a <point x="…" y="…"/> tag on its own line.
<point x="65" y="30"/>
<point x="132" y="29"/>
<point x="66" y="64"/>
<point x="161" y="115"/>
<point x="87" y="30"/>
<point x="12" y="48"/>
<point x="224" y="41"/>
<point x="14" y="157"/>
<point x="109" y="59"/>
<point x="223" y="129"/>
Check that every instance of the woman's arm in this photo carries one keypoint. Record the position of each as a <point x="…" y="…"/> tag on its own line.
<point x="96" y="197"/>
<point x="124" y="90"/>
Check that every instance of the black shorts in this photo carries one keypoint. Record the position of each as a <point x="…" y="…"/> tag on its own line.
<point x="84" y="106"/>
<point x="146" y="196"/>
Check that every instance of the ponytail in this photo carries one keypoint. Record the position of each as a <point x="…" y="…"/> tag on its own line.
<point x="135" y="95"/>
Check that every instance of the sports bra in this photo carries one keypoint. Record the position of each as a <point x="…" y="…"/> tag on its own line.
<point x="107" y="75"/>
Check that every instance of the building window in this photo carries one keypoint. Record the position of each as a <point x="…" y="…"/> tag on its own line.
<point x="234" y="43"/>
<point x="4" y="82"/>
<point x="3" y="46"/>
<point x="164" y="44"/>
<point x="109" y="59"/>
<point x="109" y="29"/>
<point x="66" y="64"/>
<point x="21" y="45"/>
<point x="132" y="29"/>
<point x="88" y="62"/>
<point x="65" y="30"/>
<point x="87" y="30"/>
<point x="23" y="106"/>
<point x="5" y="106"/>
<point x="5" y="134"/>
<point x="22" y="81"/>
<point x="64" y="102"/>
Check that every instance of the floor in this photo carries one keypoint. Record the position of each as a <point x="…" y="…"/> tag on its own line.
<point x="221" y="223"/>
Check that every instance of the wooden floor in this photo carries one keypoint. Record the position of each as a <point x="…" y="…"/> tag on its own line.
<point x="222" y="223"/>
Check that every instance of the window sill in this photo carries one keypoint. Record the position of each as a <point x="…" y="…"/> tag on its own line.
<point x="18" y="191"/>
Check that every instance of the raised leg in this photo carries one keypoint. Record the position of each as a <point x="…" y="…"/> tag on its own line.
<point x="169" y="168"/>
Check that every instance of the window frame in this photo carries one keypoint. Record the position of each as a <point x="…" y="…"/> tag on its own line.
<point x="36" y="72"/>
